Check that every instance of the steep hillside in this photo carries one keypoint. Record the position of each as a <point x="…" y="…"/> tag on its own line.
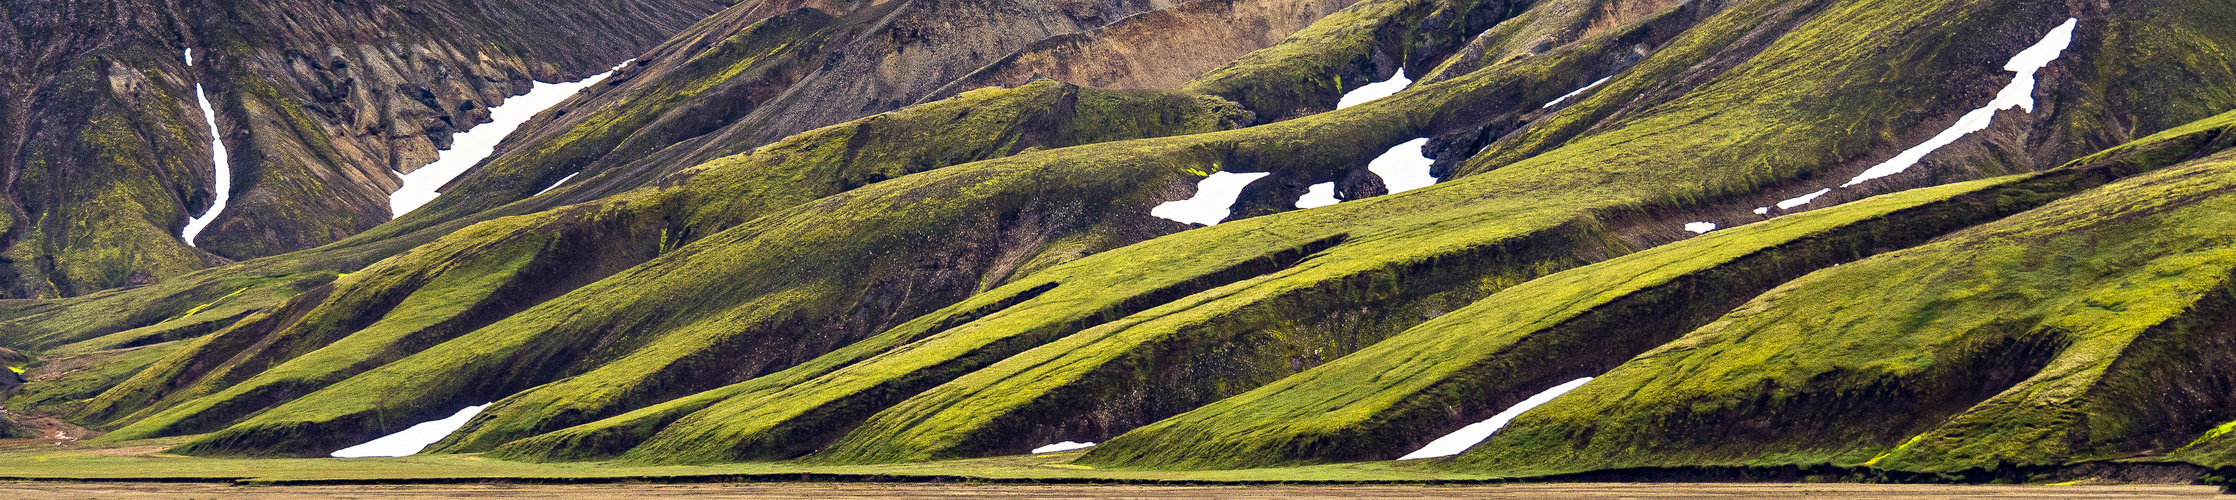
<point x="318" y="104"/>
<point x="2089" y="329"/>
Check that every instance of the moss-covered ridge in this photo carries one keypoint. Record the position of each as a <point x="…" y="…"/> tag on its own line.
<point x="59" y="385"/>
<point x="495" y="269"/>
<point x="2070" y="333"/>
<point x="1461" y="367"/>
<point x="1322" y="140"/>
<point x="648" y="336"/>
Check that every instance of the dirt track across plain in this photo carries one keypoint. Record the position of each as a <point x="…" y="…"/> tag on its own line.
<point x="864" y="491"/>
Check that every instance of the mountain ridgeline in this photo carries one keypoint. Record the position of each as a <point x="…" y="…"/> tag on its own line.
<point x="1902" y="236"/>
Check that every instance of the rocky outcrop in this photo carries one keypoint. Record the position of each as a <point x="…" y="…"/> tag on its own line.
<point x="1163" y="49"/>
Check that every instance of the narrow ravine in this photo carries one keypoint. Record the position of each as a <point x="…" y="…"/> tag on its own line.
<point x="224" y="188"/>
<point x="470" y="148"/>
<point x="2019" y="93"/>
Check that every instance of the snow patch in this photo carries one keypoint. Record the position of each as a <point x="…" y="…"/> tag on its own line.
<point x="1460" y="440"/>
<point x="1701" y="227"/>
<point x="1376" y="90"/>
<point x="189" y="56"/>
<point x="224" y="188"/>
<point x="555" y="185"/>
<point x="1404" y="167"/>
<point x="1565" y="98"/>
<point x="409" y="441"/>
<point x="468" y="149"/>
<point x="1799" y="200"/>
<point x="1762" y="210"/>
<point x="2018" y="94"/>
<point x="1063" y="446"/>
<point x="1214" y="201"/>
<point x="1319" y="195"/>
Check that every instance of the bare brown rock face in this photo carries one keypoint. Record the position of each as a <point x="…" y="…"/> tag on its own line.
<point x="1156" y="50"/>
<point x="106" y="157"/>
<point x="764" y="70"/>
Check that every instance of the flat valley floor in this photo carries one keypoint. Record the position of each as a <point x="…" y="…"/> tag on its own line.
<point x="40" y="490"/>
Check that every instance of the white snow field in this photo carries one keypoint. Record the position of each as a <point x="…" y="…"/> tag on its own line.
<point x="1319" y="195"/>
<point x="1460" y="440"/>
<point x="1063" y="446"/>
<point x="1214" y="201"/>
<point x="1403" y="168"/>
<point x="1802" y="200"/>
<point x="1376" y="90"/>
<point x="409" y="441"/>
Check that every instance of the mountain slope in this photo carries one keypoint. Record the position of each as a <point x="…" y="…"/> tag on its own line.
<point x="318" y="102"/>
<point x="2082" y="330"/>
<point x="795" y="232"/>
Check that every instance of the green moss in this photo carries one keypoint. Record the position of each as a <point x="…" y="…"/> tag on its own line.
<point x="63" y="384"/>
<point x="152" y="314"/>
<point x="2041" y="339"/>
<point x="707" y="201"/>
<point x="1460" y="366"/>
<point x="334" y="341"/>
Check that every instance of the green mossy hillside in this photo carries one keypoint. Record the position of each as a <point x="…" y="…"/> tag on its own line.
<point x="185" y="307"/>
<point x="495" y="269"/>
<point x="2082" y="330"/>
<point x="1461" y="367"/>
<point x="977" y="125"/>
<point x="60" y="385"/>
<point x="1444" y="262"/>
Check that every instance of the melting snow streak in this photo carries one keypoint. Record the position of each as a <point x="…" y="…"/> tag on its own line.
<point x="1214" y="201"/>
<point x="1403" y="168"/>
<point x="1063" y="446"/>
<point x="409" y="441"/>
<point x="1460" y="440"/>
<point x="555" y="185"/>
<point x="470" y="148"/>
<point x="2018" y="94"/>
<point x="1565" y="98"/>
<point x="1799" y="200"/>
<point x="1701" y="227"/>
<point x="224" y="188"/>
<point x="1376" y="90"/>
